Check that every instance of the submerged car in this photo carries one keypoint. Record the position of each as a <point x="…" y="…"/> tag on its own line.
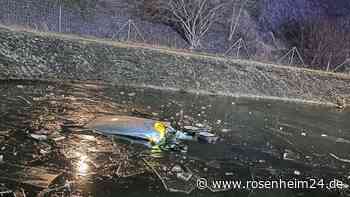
<point x="146" y="131"/>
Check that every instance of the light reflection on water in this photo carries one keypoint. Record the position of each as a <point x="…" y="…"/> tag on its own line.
<point x="82" y="166"/>
<point x="261" y="135"/>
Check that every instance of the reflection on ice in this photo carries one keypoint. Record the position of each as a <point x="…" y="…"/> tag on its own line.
<point x="82" y="166"/>
<point x="257" y="140"/>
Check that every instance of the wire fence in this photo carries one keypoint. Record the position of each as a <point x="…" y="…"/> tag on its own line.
<point x="44" y="15"/>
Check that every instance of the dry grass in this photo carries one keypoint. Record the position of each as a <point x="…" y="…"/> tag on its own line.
<point x="172" y="51"/>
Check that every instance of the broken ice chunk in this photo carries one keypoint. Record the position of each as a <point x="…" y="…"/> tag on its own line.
<point x="207" y="137"/>
<point x="31" y="176"/>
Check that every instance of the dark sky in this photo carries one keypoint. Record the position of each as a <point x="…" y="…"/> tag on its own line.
<point x="277" y="12"/>
<point x="336" y="7"/>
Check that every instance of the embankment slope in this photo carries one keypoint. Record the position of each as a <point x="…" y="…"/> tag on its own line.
<point x="47" y="56"/>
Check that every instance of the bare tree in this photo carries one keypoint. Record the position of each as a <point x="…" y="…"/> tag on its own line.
<point x="195" y="17"/>
<point x="234" y="21"/>
<point x="324" y="43"/>
<point x="83" y="6"/>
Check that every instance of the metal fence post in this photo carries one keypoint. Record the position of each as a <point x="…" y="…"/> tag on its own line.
<point x="60" y="18"/>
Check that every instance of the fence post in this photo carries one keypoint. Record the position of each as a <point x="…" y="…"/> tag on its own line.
<point x="60" y="18"/>
<point x="8" y="12"/>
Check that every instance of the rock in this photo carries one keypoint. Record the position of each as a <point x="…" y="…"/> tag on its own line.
<point x="122" y="93"/>
<point x="303" y="134"/>
<point x="20" y="86"/>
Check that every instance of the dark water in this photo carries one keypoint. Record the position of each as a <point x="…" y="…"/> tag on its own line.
<point x="42" y="128"/>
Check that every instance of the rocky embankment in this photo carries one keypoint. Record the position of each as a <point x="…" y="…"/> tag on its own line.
<point x="32" y="55"/>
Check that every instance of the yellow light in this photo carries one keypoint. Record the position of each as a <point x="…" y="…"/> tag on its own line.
<point x="161" y="128"/>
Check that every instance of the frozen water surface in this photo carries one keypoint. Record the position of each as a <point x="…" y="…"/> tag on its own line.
<point x="45" y="148"/>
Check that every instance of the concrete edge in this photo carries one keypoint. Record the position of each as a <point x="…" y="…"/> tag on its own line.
<point x="191" y="91"/>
